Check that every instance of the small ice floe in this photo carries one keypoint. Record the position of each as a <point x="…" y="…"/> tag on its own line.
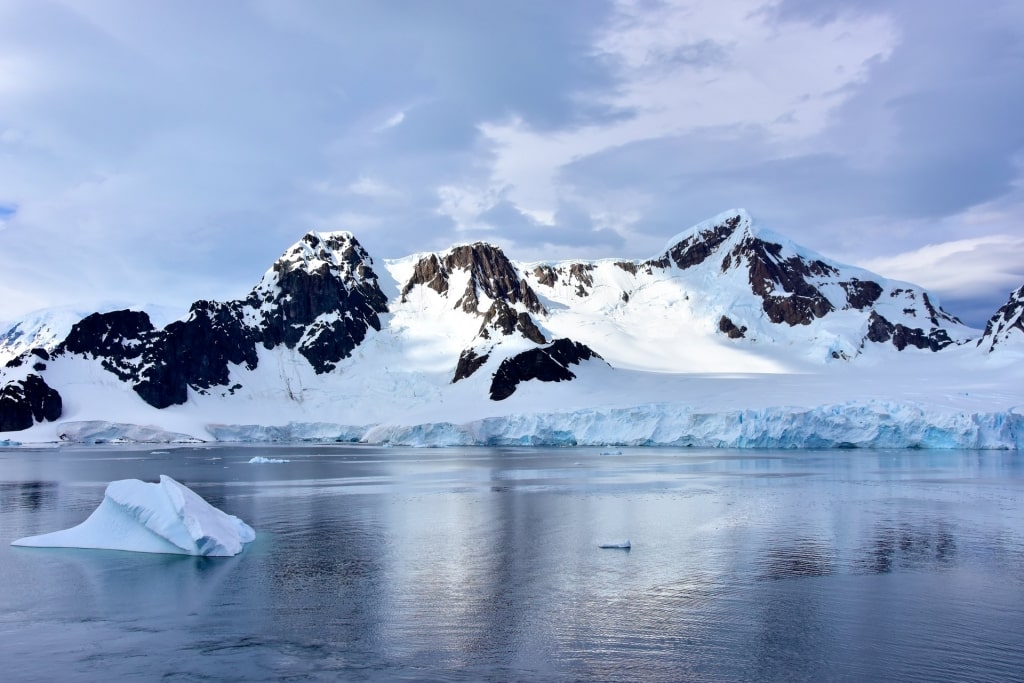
<point x="260" y="460"/>
<point x="159" y="452"/>
<point x="166" y="517"/>
<point x="620" y="545"/>
<point x="611" y="452"/>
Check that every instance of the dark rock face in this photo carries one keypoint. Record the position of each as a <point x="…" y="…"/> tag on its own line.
<point x="196" y="353"/>
<point x="348" y="288"/>
<point x="427" y="271"/>
<point x="628" y="266"/>
<point x="491" y="273"/>
<point x="1006" y="323"/>
<point x="321" y="298"/>
<point x="119" y="338"/>
<point x="695" y="249"/>
<point x="469" y="362"/>
<point x="107" y="335"/>
<point x="936" y="314"/>
<point x="546" y="275"/>
<point x="769" y="272"/>
<point x="881" y="330"/>
<point x="547" y="364"/>
<point x="25" y="402"/>
<point x="580" y="273"/>
<point x="728" y="327"/>
<point x="660" y="263"/>
<point x="504" y="319"/>
<point x="861" y="294"/>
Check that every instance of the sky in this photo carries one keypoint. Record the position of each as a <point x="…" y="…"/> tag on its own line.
<point x="162" y="152"/>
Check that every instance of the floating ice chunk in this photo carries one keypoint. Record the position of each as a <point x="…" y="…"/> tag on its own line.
<point x="260" y="460"/>
<point x="152" y="518"/>
<point x="624" y="544"/>
<point x="611" y="452"/>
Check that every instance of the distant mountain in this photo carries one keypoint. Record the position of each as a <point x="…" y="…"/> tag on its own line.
<point x="1006" y="327"/>
<point x="753" y="288"/>
<point x="325" y="337"/>
<point x="38" y="330"/>
<point x="46" y="328"/>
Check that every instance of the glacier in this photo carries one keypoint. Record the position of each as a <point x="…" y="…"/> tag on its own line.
<point x="164" y="517"/>
<point x="875" y="424"/>
<point x="855" y="424"/>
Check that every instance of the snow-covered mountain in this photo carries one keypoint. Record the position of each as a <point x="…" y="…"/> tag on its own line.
<point x="327" y="346"/>
<point x="42" y="329"/>
<point x="46" y="328"/>
<point x="1006" y="327"/>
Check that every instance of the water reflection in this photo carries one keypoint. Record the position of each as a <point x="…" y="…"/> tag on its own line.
<point x="27" y="495"/>
<point x="908" y="545"/>
<point x="484" y="565"/>
<point x="798" y="558"/>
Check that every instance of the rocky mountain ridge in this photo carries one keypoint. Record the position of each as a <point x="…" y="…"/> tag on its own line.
<point x="724" y="288"/>
<point x="1006" y="326"/>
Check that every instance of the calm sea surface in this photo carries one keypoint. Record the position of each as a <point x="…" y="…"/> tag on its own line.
<point x="482" y="564"/>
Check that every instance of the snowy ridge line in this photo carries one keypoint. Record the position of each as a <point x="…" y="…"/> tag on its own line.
<point x="870" y="424"/>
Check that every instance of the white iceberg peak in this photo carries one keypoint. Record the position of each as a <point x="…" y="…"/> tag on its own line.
<point x="166" y="517"/>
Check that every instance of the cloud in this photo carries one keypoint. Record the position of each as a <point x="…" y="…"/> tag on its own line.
<point x="466" y="206"/>
<point x="178" y="148"/>
<point x="687" y="67"/>
<point x="393" y="121"/>
<point x="966" y="267"/>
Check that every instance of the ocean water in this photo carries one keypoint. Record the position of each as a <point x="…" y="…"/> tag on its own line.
<point x="483" y="564"/>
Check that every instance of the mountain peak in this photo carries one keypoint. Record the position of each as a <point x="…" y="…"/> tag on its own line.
<point x="692" y="247"/>
<point x="719" y="228"/>
<point x="337" y="251"/>
<point x="1007" y="324"/>
<point x="490" y="271"/>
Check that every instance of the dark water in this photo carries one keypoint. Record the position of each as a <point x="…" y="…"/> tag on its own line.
<point x="391" y="564"/>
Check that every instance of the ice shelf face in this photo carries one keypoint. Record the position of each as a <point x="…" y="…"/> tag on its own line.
<point x="165" y="517"/>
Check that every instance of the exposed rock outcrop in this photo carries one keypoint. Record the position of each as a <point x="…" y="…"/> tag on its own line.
<point x="729" y="328"/>
<point x="27" y="401"/>
<point x="1007" y="324"/>
<point x="881" y="330"/>
<point x="547" y="364"/>
<point x="320" y="298"/>
<point x="490" y="274"/>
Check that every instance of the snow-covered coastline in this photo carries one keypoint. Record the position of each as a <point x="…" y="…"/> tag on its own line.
<point x="733" y="337"/>
<point x="874" y="424"/>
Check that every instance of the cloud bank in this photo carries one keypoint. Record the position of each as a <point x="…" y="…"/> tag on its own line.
<point x="173" y="150"/>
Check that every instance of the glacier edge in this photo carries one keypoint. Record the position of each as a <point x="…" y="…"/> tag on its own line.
<point x="855" y="424"/>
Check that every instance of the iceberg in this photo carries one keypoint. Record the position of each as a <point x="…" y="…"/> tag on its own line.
<point x="261" y="460"/>
<point x="166" y="517"/>
<point x="620" y="545"/>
